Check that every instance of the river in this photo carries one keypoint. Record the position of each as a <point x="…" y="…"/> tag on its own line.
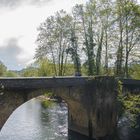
<point x="32" y="121"/>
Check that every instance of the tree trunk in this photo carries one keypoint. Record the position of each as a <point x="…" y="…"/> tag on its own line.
<point x="99" y="51"/>
<point x="119" y="71"/>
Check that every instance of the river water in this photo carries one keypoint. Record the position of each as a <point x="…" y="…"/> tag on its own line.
<point x="32" y="121"/>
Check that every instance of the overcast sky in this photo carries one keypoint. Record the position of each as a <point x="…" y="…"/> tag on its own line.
<point x="19" y="20"/>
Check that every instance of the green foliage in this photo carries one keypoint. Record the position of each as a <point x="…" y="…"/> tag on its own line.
<point x="10" y="74"/>
<point x="53" y="41"/>
<point x="2" y="69"/>
<point x="47" y="103"/>
<point x="89" y="35"/>
<point x="45" y="68"/>
<point x="120" y="100"/>
<point x="48" y="94"/>
<point x="135" y="71"/>
<point x="130" y="107"/>
<point x="132" y="104"/>
<point x="30" y="72"/>
<point x="69" y="70"/>
<point x="6" y="73"/>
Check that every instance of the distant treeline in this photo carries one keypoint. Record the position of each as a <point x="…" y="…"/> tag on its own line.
<point x="45" y="68"/>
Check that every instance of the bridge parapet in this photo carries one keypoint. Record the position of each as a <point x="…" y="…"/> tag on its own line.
<point x="30" y="83"/>
<point x="131" y="85"/>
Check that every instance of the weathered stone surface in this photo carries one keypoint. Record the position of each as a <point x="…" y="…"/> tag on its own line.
<point x="40" y="83"/>
<point x="92" y="107"/>
<point x="130" y="85"/>
<point x="9" y="101"/>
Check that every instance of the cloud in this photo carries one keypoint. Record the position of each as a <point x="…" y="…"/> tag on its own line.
<point x="18" y="3"/>
<point x="9" y="53"/>
<point x="38" y="2"/>
<point x="19" y="20"/>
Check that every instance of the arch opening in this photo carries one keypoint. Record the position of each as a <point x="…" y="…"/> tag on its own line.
<point x="32" y="120"/>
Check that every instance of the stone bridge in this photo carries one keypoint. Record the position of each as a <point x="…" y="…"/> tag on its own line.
<point x="92" y="101"/>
